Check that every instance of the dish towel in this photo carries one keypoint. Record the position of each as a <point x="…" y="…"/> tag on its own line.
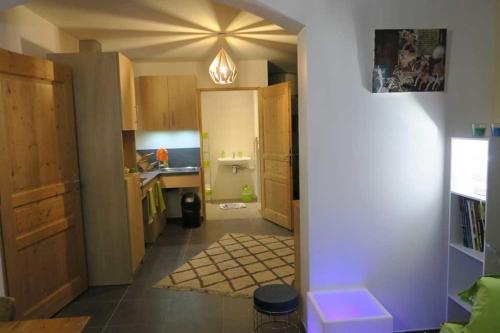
<point x="158" y="194"/>
<point x="151" y="205"/>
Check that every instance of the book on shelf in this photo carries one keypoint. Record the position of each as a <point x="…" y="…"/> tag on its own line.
<point x="472" y="218"/>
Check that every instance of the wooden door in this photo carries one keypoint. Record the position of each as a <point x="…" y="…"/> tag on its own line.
<point x="136" y="226"/>
<point x="182" y="102"/>
<point x="154" y="103"/>
<point x="275" y="149"/>
<point x="127" y="93"/>
<point x="39" y="186"/>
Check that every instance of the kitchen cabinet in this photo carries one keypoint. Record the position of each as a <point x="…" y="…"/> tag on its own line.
<point x="136" y="226"/>
<point x="154" y="103"/>
<point x="182" y="102"/>
<point x="152" y="229"/>
<point x="103" y="102"/>
<point x="127" y="93"/>
<point x="168" y="102"/>
<point x="180" y="181"/>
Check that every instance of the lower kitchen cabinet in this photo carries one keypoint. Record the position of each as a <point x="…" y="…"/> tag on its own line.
<point x="136" y="226"/>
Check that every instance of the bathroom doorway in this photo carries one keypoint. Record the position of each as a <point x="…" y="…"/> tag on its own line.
<point x="247" y="153"/>
<point x="229" y="122"/>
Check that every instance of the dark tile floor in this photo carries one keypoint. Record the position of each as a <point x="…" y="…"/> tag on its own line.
<point x="142" y="308"/>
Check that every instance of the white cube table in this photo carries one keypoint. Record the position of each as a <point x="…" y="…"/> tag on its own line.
<point x="346" y="311"/>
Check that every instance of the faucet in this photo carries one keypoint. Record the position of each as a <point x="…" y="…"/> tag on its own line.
<point x="234" y="155"/>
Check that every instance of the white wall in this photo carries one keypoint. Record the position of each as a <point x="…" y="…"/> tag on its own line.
<point x="229" y="118"/>
<point x="376" y="178"/>
<point x="23" y="31"/>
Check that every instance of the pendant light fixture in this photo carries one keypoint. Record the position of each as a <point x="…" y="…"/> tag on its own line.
<point x="222" y="69"/>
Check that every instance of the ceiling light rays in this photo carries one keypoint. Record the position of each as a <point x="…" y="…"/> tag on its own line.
<point x="200" y="12"/>
<point x="243" y="20"/>
<point x="261" y="28"/>
<point x="259" y="49"/>
<point x="108" y="34"/>
<point x="109" y="14"/>
<point x="285" y="39"/>
<point x="139" y="41"/>
<point x="197" y="47"/>
<point x="171" y="30"/>
<point x="225" y="16"/>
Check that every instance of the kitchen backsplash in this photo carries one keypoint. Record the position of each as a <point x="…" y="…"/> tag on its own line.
<point x="177" y="157"/>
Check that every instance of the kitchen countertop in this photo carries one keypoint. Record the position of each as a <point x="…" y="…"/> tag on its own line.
<point x="147" y="177"/>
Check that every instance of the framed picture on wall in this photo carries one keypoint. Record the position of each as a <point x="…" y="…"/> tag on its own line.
<point x="409" y="60"/>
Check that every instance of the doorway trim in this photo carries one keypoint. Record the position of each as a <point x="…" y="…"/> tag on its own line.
<point x="200" y="126"/>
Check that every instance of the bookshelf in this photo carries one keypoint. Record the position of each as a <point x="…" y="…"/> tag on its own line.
<point x="474" y="218"/>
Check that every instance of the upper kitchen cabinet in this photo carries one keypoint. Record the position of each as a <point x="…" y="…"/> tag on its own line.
<point x="182" y="105"/>
<point x="154" y="102"/>
<point x="127" y="93"/>
<point x="168" y="102"/>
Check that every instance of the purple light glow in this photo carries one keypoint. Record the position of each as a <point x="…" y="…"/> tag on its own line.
<point x="347" y="305"/>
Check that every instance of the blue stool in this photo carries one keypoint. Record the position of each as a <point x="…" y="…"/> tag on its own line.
<point x="276" y="307"/>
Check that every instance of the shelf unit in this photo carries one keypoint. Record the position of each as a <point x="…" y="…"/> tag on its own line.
<point x="475" y="176"/>
<point x="477" y="255"/>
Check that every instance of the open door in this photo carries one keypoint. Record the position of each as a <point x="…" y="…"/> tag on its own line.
<point x="41" y="217"/>
<point x="275" y="151"/>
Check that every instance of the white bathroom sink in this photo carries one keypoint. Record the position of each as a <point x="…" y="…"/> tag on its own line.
<point x="234" y="161"/>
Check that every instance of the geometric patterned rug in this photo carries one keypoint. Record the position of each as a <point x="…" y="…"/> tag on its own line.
<point x="236" y="265"/>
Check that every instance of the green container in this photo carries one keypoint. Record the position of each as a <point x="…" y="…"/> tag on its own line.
<point x="247" y="194"/>
<point x="478" y="130"/>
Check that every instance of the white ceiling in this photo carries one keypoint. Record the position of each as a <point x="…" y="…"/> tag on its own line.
<point x="171" y="30"/>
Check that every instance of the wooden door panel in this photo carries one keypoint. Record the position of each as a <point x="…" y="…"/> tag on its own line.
<point x="51" y="266"/>
<point x="276" y="128"/>
<point x="29" y="131"/>
<point x="277" y="201"/>
<point x="275" y="138"/>
<point x="22" y="198"/>
<point x="42" y="219"/>
<point x="39" y="186"/>
<point x="274" y="167"/>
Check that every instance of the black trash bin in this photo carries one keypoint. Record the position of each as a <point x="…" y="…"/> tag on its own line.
<point x="191" y="210"/>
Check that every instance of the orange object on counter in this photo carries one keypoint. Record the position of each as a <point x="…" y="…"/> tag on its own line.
<point x="162" y="155"/>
